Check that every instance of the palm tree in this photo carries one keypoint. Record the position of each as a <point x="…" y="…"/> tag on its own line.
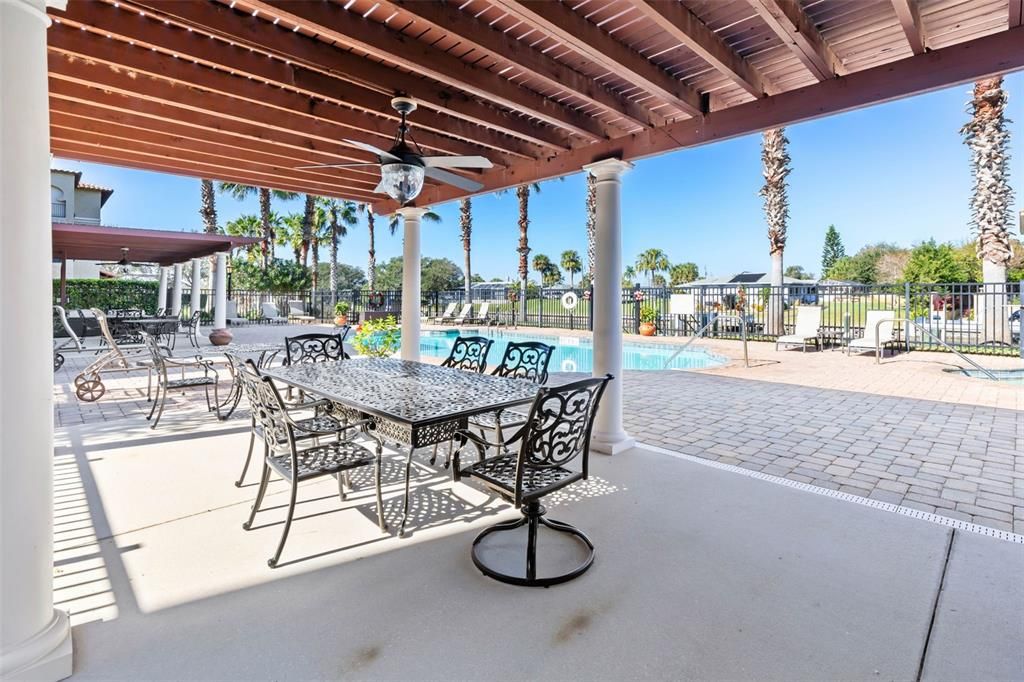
<point x="988" y="139"/>
<point x="246" y="226"/>
<point x="341" y="215"/>
<point x="652" y="261"/>
<point x="571" y="263"/>
<point x="541" y="265"/>
<point x="241" y="192"/>
<point x="775" y="167"/>
<point x="591" y="224"/>
<point x="466" y="229"/>
<point x="308" y="211"/>
<point x="319" y="228"/>
<point x="208" y="206"/>
<point x="395" y="220"/>
<point x="290" y="234"/>
<point x="628" y="277"/>
<point x="371" y="260"/>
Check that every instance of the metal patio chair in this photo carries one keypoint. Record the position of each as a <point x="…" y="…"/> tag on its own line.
<point x="295" y="462"/>
<point x="469" y="353"/>
<point x="310" y="348"/>
<point x="526" y="360"/>
<point x="115" y="356"/>
<point x="308" y="427"/>
<point x="162" y="363"/>
<point x="553" y="453"/>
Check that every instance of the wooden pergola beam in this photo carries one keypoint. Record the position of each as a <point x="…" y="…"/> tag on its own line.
<point x="792" y="25"/>
<point x="72" y="150"/>
<point x="1016" y="13"/>
<point x="119" y="107"/>
<point x="475" y="34"/>
<point x="961" y="63"/>
<point x="349" y="30"/>
<point x="219" y="20"/>
<point x="686" y="27"/>
<point x="149" y="32"/>
<point x="189" y="77"/>
<point x="205" y="165"/>
<point x="583" y="36"/>
<point x="910" y="20"/>
<point x="182" y="147"/>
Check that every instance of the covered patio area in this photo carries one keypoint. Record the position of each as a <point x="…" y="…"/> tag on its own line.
<point x="702" y="574"/>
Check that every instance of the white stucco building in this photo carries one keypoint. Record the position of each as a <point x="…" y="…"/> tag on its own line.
<point x="76" y="202"/>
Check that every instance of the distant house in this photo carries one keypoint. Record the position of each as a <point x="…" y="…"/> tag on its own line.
<point x="796" y="289"/>
<point x="493" y="291"/>
<point x="74" y="201"/>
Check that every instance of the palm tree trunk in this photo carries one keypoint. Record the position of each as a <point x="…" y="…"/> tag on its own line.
<point x="988" y="139"/>
<point x="268" y="231"/>
<point x="775" y="167"/>
<point x="523" y="194"/>
<point x="466" y="225"/>
<point x="307" y="227"/>
<point x="314" y="247"/>
<point x="208" y="207"/>
<point x="334" y="262"/>
<point x="371" y="260"/>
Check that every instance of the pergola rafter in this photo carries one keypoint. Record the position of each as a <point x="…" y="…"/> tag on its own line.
<point x="790" y="23"/>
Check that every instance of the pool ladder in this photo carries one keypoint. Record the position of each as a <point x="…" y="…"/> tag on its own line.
<point x="712" y="321"/>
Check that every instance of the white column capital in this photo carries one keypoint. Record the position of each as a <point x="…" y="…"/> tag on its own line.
<point x="37" y="8"/>
<point x="608" y="169"/>
<point x="412" y="212"/>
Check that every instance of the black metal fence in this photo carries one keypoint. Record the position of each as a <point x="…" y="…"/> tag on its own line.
<point x="970" y="317"/>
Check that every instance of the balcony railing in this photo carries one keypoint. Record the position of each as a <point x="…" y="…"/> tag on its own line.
<point x="58" y="209"/>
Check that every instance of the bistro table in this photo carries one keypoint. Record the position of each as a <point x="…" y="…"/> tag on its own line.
<point x="412" y="403"/>
<point x="260" y="353"/>
<point x="128" y="328"/>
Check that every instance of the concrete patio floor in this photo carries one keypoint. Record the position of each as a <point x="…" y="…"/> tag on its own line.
<point x="700" y="574"/>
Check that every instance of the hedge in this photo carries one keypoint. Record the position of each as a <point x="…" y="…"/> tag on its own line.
<point x="108" y="294"/>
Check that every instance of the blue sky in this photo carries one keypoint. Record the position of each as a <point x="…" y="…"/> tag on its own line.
<point x="896" y="172"/>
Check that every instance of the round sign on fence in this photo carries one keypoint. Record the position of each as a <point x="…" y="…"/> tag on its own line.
<point x="569" y="300"/>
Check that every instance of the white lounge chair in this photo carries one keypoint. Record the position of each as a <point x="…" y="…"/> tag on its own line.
<point x="879" y="332"/>
<point x="446" y="316"/>
<point x="808" y="329"/>
<point x="467" y="311"/>
<point x="482" y="316"/>
<point x="231" y="315"/>
<point x="297" y="312"/>
<point x="271" y="314"/>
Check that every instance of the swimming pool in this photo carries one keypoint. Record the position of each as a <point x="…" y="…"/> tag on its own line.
<point x="1013" y="376"/>
<point x="576" y="354"/>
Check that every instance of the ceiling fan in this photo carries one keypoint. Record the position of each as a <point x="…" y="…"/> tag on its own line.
<point x="124" y="262"/>
<point x="404" y="167"/>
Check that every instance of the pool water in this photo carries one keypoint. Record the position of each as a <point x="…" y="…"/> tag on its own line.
<point x="575" y="354"/>
<point x="1013" y="376"/>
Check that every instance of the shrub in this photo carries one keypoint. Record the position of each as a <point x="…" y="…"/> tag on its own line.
<point x="377" y="338"/>
<point x="341" y="308"/>
<point x="108" y="294"/>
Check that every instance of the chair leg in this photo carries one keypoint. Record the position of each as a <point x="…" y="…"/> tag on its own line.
<point x="380" y="496"/>
<point x="149" y="385"/>
<point x="531" y="548"/>
<point x="248" y="456"/>
<point x="341" y="486"/>
<point x="272" y="562"/>
<point x="160" y="412"/>
<point x="405" y="505"/>
<point x="152" y="407"/>
<point x="264" y="478"/>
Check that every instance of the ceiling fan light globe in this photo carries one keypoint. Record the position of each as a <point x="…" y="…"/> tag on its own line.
<point x="403" y="182"/>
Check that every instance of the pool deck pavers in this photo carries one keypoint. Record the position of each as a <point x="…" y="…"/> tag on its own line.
<point x="906" y="432"/>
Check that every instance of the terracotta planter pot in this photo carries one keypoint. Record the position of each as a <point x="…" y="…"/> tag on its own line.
<point x="341" y="320"/>
<point x="221" y="337"/>
<point x="647" y="329"/>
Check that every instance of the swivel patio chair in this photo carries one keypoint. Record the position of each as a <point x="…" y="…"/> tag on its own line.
<point x="553" y="453"/>
<point x="162" y="363"/>
<point x="469" y="353"/>
<point x="294" y="463"/>
<point x="307" y="427"/>
<point x="526" y="360"/>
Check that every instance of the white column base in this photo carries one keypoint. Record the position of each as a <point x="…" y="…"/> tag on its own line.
<point x="46" y="657"/>
<point x="611" y="443"/>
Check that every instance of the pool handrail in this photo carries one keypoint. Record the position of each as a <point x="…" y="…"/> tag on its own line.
<point x="714" y="319"/>
<point x="948" y="347"/>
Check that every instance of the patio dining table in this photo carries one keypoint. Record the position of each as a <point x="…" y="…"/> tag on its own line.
<point x="412" y="403"/>
<point x="262" y="354"/>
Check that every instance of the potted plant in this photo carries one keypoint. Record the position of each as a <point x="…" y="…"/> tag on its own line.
<point x="341" y="309"/>
<point x="648" y="320"/>
<point x="378" y="338"/>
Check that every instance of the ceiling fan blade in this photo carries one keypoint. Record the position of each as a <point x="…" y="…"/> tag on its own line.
<point x="337" y="165"/>
<point x="374" y="150"/>
<point x="452" y="179"/>
<point x="456" y="162"/>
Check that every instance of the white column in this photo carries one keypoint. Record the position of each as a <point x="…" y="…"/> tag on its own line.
<point x="176" y="293"/>
<point x="220" y="292"/>
<point x="161" y="294"/>
<point x="411" y="282"/>
<point x="608" y="435"/>
<point x="35" y="639"/>
<point x="195" y="300"/>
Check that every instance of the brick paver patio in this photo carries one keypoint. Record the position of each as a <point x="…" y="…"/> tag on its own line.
<point x="906" y="432"/>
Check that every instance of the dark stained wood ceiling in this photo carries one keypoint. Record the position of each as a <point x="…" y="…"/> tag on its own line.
<point x="249" y="90"/>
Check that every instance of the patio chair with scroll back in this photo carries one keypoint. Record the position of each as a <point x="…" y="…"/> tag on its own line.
<point x="554" y="452"/>
<point x="162" y="363"/>
<point x="296" y="460"/>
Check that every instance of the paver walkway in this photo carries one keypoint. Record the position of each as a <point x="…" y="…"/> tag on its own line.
<point x="960" y="461"/>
